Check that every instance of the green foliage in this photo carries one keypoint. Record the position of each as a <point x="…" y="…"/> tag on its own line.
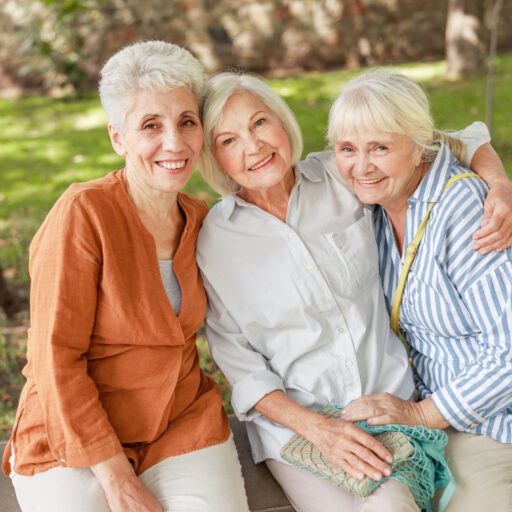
<point x="46" y="144"/>
<point x="52" y="38"/>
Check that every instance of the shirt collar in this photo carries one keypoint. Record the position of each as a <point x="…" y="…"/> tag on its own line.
<point x="303" y="169"/>
<point x="431" y="187"/>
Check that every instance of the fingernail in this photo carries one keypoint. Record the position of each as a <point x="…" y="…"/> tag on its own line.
<point x="389" y="459"/>
<point x="387" y="471"/>
<point x="359" y="476"/>
<point x="377" y="476"/>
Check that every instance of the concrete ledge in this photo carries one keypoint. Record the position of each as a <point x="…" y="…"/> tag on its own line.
<point x="263" y="492"/>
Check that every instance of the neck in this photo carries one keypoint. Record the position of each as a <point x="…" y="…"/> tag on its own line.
<point x="273" y="200"/>
<point x="149" y="202"/>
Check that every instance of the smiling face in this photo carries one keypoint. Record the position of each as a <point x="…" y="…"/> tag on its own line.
<point x="381" y="168"/>
<point x="161" y="140"/>
<point x="251" y="145"/>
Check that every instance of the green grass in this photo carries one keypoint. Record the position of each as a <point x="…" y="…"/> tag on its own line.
<point x="47" y="143"/>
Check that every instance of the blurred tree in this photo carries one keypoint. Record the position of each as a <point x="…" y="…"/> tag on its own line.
<point x="7" y="302"/>
<point x="465" y="49"/>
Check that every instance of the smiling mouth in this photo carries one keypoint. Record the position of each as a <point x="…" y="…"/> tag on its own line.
<point x="172" y="166"/>
<point x="262" y="163"/>
<point x="369" y="182"/>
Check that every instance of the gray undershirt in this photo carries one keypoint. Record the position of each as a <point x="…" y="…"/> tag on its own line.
<point x="171" y="284"/>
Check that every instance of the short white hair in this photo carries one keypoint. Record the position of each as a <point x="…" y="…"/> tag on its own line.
<point x="383" y="100"/>
<point x="218" y="91"/>
<point x="149" y="65"/>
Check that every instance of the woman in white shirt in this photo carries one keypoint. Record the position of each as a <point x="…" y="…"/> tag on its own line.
<point x="296" y="314"/>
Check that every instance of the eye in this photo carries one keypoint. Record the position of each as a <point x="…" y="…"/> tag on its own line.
<point x="259" y="122"/>
<point x="381" y="148"/>
<point x="340" y="148"/>
<point x="149" y="126"/>
<point x="228" y="141"/>
<point x="189" y="122"/>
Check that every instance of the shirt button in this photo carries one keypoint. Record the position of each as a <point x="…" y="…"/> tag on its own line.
<point x="309" y="268"/>
<point x="290" y="236"/>
<point x="63" y="460"/>
<point x="341" y="330"/>
<point x="473" y="425"/>
<point x="349" y="364"/>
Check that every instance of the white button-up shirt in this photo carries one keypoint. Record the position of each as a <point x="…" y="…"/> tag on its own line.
<point x="298" y="306"/>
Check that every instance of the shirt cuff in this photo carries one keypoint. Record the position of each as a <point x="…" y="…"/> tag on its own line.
<point x="455" y="411"/>
<point x="248" y="391"/>
<point x="473" y="136"/>
<point x="91" y="454"/>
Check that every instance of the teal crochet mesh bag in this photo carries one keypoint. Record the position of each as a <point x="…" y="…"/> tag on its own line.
<point x="418" y="460"/>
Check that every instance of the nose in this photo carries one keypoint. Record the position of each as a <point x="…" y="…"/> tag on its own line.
<point x="362" y="164"/>
<point x="253" y="144"/>
<point x="172" y="140"/>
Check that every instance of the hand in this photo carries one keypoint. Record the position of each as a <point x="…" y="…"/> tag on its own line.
<point x="386" y="409"/>
<point x="495" y="233"/>
<point x="352" y="449"/>
<point x="123" y="490"/>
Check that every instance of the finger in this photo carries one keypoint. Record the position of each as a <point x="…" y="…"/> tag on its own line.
<point x="367" y="462"/>
<point x="370" y="450"/>
<point x="491" y="242"/>
<point x="488" y="227"/>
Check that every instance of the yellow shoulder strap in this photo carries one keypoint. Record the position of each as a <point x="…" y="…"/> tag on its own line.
<point x="411" y="251"/>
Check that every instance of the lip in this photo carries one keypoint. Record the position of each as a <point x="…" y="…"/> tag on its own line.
<point x="270" y="161"/>
<point x="176" y="166"/>
<point x="370" y="183"/>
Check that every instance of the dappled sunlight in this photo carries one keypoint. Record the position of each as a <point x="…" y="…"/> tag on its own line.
<point x="94" y="118"/>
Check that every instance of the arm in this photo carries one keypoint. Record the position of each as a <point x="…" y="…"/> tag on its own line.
<point x="495" y="232"/>
<point x="65" y="265"/>
<point x="257" y="390"/>
<point x="483" y="284"/>
<point x="340" y="441"/>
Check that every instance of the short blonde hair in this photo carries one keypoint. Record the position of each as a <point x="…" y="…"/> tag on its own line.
<point x="383" y="100"/>
<point x="149" y="65"/>
<point x="218" y="91"/>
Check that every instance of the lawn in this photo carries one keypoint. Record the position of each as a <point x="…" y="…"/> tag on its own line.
<point x="48" y="143"/>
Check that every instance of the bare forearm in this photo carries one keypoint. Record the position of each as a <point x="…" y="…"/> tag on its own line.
<point x="279" y="408"/>
<point x="488" y="165"/>
<point x="429" y="416"/>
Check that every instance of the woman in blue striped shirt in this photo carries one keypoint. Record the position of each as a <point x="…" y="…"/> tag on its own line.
<point x="456" y="308"/>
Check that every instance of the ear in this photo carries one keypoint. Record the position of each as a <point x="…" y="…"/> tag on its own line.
<point x="117" y="140"/>
<point x="418" y="155"/>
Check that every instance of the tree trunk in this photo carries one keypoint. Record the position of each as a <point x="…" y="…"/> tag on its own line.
<point x="6" y="299"/>
<point x="465" y="48"/>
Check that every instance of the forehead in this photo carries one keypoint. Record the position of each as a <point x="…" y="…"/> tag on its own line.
<point x="241" y="105"/>
<point x="164" y="103"/>
<point x="372" y="137"/>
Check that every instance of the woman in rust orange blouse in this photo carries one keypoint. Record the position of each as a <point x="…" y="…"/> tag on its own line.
<point x="116" y="413"/>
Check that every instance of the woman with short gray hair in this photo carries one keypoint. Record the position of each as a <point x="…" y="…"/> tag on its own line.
<point x="116" y="413"/>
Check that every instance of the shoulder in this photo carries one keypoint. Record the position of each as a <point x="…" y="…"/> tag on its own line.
<point x="470" y="190"/>
<point x="91" y="194"/>
<point x="193" y="205"/>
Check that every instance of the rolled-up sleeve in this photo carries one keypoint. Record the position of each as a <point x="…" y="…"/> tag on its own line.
<point x="65" y="268"/>
<point x="473" y="136"/>
<point x="484" y="390"/>
<point x="246" y="369"/>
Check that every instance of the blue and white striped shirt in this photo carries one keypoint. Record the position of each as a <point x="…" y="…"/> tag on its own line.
<point x="456" y="311"/>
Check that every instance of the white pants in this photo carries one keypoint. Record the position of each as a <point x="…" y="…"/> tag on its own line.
<point x="310" y="493"/>
<point x="482" y="469"/>
<point x="207" y="480"/>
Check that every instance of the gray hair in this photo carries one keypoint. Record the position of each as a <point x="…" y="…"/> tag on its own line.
<point x="149" y="65"/>
<point x="218" y="91"/>
<point x="383" y="100"/>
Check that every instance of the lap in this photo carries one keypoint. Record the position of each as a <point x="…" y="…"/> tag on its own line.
<point x="482" y="469"/>
<point x="310" y="493"/>
<point x="205" y="480"/>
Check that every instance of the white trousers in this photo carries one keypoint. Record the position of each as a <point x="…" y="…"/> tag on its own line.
<point x="207" y="480"/>
<point x="482" y="469"/>
<point x="310" y="493"/>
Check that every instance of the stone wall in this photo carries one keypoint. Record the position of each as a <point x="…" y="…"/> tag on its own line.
<point x="277" y="36"/>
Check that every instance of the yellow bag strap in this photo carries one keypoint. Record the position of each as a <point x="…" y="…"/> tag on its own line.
<point x="411" y="251"/>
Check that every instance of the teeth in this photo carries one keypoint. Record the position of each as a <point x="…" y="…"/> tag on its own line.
<point x="263" y="162"/>
<point x="173" y="165"/>
<point x="369" y="182"/>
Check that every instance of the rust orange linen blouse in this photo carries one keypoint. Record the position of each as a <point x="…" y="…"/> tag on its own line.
<point x="110" y="366"/>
